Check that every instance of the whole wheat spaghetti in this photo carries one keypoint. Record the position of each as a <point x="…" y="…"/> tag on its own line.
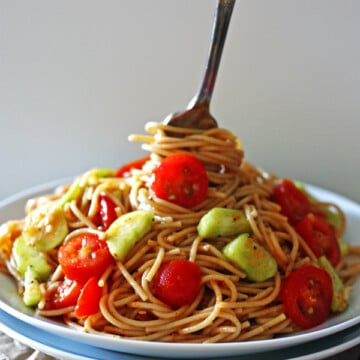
<point x="228" y="307"/>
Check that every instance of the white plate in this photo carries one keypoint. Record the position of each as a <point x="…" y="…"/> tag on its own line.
<point x="10" y="302"/>
<point x="53" y="345"/>
<point x="67" y="349"/>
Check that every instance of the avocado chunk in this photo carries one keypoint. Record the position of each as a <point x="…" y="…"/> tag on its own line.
<point x="344" y="247"/>
<point x="72" y="193"/>
<point x="340" y="296"/>
<point x="330" y="216"/>
<point x="223" y="222"/>
<point x="101" y="173"/>
<point x="252" y="258"/>
<point x="32" y="292"/>
<point x="26" y="256"/>
<point x="76" y="188"/>
<point x="46" y="226"/>
<point x="33" y="268"/>
<point x="127" y="230"/>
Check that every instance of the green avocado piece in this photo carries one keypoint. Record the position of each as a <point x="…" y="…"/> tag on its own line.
<point x="127" y="230"/>
<point x="332" y="217"/>
<point x="223" y="222"/>
<point x="32" y="292"/>
<point x="26" y="255"/>
<point x="340" y="299"/>
<point x="254" y="259"/>
<point x="46" y="226"/>
<point x="76" y="188"/>
<point x="72" y="193"/>
<point x="344" y="247"/>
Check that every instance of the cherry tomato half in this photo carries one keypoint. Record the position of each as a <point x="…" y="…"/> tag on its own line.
<point x="89" y="299"/>
<point x="136" y="164"/>
<point x="177" y="282"/>
<point x="106" y="214"/>
<point x="181" y="179"/>
<point x="66" y="294"/>
<point x="320" y="237"/>
<point x="294" y="203"/>
<point x="83" y="256"/>
<point x="307" y="294"/>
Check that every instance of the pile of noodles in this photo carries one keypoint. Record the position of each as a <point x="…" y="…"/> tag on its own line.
<point x="228" y="307"/>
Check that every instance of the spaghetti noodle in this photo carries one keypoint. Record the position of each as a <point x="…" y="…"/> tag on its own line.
<point x="227" y="307"/>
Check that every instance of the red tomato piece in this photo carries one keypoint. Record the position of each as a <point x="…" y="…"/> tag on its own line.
<point x="106" y="214"/>
<point x="83" y="256"/>
<point x="89" y="299"/>
<point x="181" y="179"/>
<point x="136" y="164"/>
<point x="66" y="294"/>
<point x="320" y="237"/>
<point x="294" y="203"/>
<point x="307" y="295"/>
<point x="177" y="282"/>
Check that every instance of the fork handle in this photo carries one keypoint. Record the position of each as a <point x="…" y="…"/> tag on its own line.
<point x="220" y="27"/>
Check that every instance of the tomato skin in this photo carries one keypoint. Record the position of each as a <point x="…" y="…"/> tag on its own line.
<point x="177" y="282"/>
<point x="66" y="294"/>
<point x="181" y="179"/>
<point x="106" y="214"/>
<point x="88" y="301"/>
<point x="307" y="294"/>
<point x="83" y="256"/>
<point x="320" y="237"/>
<point x="107" y="211"/>
<point x="136" y="164"/>
<point x="294" y="203"/>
